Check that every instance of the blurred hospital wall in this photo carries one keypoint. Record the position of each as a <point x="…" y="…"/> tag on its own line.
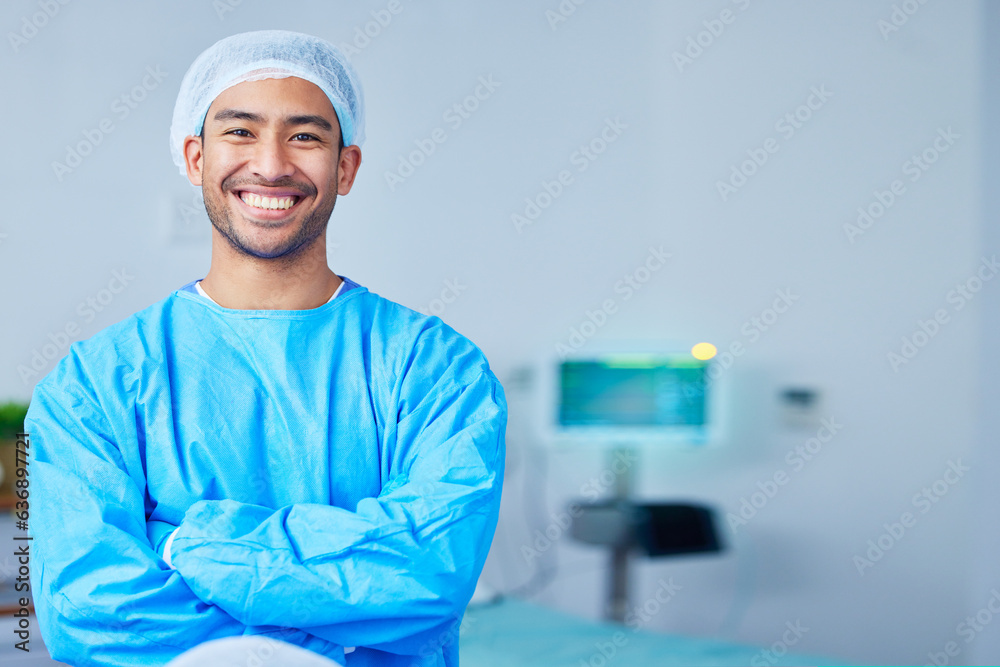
<point x="522" y="161"/>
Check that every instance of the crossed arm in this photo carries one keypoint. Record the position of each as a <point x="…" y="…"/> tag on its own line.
<point x="393" y="575"/>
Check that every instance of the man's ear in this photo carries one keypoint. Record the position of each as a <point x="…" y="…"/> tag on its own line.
<point x="194" y="159"/>
<point x="350" y="161"/>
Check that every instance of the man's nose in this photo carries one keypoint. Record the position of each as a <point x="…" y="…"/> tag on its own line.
<point x="271" y="159"/>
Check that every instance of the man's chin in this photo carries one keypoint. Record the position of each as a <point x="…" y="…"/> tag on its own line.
<point x="270" y="250"/>
<point x="259" y="243"/>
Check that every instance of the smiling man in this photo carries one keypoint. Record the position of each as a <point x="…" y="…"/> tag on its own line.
<point x="272" y="452"/>
<point x="276" y="166"/>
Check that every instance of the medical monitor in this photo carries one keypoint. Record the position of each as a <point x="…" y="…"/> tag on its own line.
<point x="631" y="399"/>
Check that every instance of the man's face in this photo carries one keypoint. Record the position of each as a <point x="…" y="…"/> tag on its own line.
<point x="270" y="166"/>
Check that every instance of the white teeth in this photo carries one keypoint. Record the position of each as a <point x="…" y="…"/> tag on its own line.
<point x="267" y="202"/>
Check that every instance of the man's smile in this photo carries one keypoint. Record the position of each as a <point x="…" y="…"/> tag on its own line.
<point x="268" y="203"/>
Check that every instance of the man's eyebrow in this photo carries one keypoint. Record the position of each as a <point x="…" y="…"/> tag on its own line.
<point x="237" y="114"/>
<point x="305" y="119"/>
<point x="323" y="123"/>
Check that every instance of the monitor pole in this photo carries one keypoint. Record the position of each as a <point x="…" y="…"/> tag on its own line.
<point x="619" y="572"/>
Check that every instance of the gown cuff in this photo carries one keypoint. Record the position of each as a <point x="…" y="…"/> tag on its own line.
<point x="166" y="548"/>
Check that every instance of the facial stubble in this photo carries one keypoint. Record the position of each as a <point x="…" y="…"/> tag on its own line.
<point x="310" y="229"/>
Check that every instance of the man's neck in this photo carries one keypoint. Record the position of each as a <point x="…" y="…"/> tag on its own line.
<point x="241" y="282"/>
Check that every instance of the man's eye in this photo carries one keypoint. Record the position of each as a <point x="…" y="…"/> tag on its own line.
<point x="307" y="137"/>
<point x="237" y="130"/>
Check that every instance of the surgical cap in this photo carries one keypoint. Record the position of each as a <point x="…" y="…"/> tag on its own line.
<point x="266" y="54"/>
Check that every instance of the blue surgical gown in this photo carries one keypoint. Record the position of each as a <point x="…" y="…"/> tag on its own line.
<point x="334" y="475"/>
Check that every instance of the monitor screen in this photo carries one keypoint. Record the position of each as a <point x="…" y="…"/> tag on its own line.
<point x="644" y="392"/>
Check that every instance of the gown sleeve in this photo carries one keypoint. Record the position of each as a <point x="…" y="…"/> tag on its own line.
<point x="102" y="595"/>
<point x="394" y="575"/>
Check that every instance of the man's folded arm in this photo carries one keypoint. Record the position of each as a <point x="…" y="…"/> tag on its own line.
<point x="101" y="593"/>
<point x="396" y="573"/>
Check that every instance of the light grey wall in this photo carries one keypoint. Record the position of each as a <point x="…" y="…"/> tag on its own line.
<point x="124" y="208"/>
<point x="985" y="589"/>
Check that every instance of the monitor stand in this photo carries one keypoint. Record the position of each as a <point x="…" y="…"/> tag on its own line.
<point x="619" y="572"/>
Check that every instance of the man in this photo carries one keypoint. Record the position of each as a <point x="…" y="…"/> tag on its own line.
<point x="274" y="451"/>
